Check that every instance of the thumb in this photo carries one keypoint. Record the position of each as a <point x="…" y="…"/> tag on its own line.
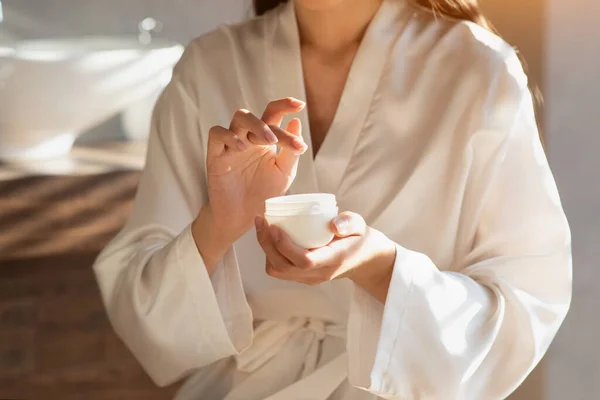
<point x="287" y="160"/>
<point x="348" y="224"/>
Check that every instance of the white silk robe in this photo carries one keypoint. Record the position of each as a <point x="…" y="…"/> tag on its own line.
<point x="435" y="144"/>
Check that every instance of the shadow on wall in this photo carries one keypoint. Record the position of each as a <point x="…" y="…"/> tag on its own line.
<point x="56" y="342"/>
<point x="111" y="130"/>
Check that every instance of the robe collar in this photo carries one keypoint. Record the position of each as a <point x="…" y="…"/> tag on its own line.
<point x="324" y="173"/>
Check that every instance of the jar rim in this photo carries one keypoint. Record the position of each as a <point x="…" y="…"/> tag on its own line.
<point x="297" y="212"/>
<point x="302" y="199"/>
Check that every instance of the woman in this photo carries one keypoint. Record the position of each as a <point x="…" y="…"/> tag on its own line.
<point x="449" y="278"/>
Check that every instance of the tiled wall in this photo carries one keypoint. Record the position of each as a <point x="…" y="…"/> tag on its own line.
<point x="182" y="19"/>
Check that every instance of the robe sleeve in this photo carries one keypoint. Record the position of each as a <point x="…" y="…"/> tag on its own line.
<point x="155" y="286"/>
<point x="476" y="329"/>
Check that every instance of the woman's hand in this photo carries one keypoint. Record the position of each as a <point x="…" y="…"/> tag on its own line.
<point x="358" y="252"/>
<point x="243" y="171"/>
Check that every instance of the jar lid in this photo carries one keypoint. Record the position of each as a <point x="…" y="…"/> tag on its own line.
<point x="300" y="204"/>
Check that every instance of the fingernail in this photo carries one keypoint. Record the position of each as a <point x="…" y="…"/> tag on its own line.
<point x="259" y="223"/>
<point x="241" y="145"/>
<point x="341" y="224"/>
<point x="275" y="235"/>
<point x="271" y="138"/>
<point x="297" y="103"/>
<point x="298" y="144"/>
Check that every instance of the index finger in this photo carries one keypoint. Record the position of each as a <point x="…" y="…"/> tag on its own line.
<point x="244" y="122"/>
<point x="277" y="109"/>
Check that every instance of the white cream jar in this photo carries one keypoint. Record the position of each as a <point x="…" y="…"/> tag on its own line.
<point x="306" y="218"/>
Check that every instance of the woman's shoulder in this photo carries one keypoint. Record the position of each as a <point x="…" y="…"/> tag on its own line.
<point x="488" y="50"/>
<point x="459" y="65"/>
<point x="474" y="41"/>
<point x="465" y="46"/>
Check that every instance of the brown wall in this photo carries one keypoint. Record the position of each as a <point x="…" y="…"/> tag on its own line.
<point x="522" y="23"/>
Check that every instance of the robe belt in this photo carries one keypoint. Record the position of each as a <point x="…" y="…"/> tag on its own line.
<point x="315" y="383"/>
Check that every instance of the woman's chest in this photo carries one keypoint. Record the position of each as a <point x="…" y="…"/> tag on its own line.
<point x="325" y="78"/>
<point x="396" y="150"/>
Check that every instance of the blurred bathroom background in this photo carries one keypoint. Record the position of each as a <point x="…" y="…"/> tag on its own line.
<point x="59" y="205"/>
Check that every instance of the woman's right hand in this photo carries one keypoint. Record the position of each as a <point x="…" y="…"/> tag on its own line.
<point x="244" y="170"/>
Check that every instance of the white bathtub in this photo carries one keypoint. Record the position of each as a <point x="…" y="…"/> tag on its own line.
<point x="51" y="91"/>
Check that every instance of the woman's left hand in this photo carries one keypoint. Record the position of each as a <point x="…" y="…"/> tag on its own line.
<point x="358" y="252"/>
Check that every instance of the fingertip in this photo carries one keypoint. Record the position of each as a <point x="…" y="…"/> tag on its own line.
<point x="341" y="225"/>
<point x="296" y="102"/>
<point x="299" y="145"/>
<point x="271" y="270"/>
<point x="275" y="233"/>
<point x="259" y="223"/>
<point x="295" y="126"/>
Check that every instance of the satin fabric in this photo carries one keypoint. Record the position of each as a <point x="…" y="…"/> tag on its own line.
<point x="434" y="143"/>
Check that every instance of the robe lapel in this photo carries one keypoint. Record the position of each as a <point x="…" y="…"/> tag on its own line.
<point x="326" y="171"/>
<point x="287" y="80"/>
<point x="361" y="87"/>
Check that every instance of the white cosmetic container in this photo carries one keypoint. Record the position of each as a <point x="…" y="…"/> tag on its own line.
<point x="306" y="218"/>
